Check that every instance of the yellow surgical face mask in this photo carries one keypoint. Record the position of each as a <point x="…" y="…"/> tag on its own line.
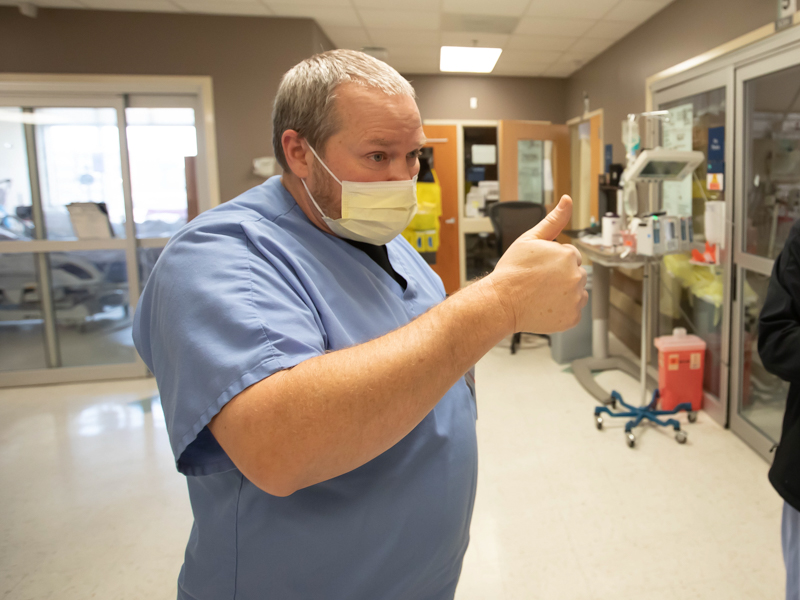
<point x="374" y="212"/>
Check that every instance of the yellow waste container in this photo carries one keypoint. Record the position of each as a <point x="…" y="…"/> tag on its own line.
<point x="423" y="231"/>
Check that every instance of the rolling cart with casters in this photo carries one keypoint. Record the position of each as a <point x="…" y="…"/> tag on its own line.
<point x="639" y="413"/>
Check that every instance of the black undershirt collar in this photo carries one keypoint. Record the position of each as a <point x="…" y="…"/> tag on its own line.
<point x="381" y="256"/>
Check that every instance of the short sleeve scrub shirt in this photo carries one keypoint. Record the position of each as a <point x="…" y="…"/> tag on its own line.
<point x="253" y="287"/>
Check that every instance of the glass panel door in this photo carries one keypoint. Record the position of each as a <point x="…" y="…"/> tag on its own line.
<point x="165" y="164"/>
<point x="772" y="161"/>
<point x="762" y="398"/>
<point x="68" y="273"/>
<point x="15" y="191"/>
<point x="78" y="158"/>
<point x="159" y="142"/>
<point x="692" y="295"/>
<point x="92" y="187"/>
<point x="768" y="203"/>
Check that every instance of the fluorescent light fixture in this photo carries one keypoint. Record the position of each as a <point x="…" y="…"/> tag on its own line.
<point x="468" y="59"/>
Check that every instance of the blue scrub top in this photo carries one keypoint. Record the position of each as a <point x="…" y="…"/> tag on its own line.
<point x="253" y="287"/>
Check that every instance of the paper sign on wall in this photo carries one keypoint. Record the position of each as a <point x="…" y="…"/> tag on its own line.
<point x="716" y="144"/>
<point x="484" y="154"/>
<point x="715" y="182"/>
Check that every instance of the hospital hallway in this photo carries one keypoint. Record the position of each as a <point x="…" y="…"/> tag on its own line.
<point x="94" y="508"/>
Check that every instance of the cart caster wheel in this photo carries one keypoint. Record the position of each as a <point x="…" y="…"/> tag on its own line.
<point x="692" y="416"/>
<point x="599" y="422"/>
<point x="631" y="440"/>
<point x="681" y="437"/>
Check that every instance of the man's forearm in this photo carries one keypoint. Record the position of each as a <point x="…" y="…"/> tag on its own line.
<point x="333" y="413"/>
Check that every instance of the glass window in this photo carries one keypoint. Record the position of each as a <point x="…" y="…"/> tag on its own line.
<point x="535" y="171"/>
<point x="692" y="295"/>
<point x="159" y="141"/>
<point x="772" y="169"/>
<point x="15" y="189"/>
<point x="21" y="326"/>
<point x="79" y="162"/>
<point x="90" y="295"/>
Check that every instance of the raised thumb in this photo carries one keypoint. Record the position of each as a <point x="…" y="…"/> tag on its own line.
<point x="558" y="218"/>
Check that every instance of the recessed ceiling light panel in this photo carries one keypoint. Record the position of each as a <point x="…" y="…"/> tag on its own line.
<point x="466" y="59"/>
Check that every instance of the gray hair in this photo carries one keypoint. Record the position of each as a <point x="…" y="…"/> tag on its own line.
<point x="305" y="98"/>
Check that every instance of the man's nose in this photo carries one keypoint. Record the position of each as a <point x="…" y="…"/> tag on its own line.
<point x="403" y="170"/>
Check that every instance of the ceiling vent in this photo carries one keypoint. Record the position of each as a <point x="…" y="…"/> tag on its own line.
<point x="478" y="23"/>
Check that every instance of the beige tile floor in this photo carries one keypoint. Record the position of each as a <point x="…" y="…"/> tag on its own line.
<point x="92" y="506"/>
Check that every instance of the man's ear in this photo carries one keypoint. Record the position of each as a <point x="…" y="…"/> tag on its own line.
<point x="296" y="153"/>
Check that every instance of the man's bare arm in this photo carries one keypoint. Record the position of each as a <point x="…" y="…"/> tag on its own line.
<point x="333" y="413"/>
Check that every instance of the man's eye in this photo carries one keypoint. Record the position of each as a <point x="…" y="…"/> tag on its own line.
<point x="415" y="154"/>
<point x="377" y="157"/>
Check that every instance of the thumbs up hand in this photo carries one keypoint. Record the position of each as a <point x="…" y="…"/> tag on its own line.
<point x="540" y="282"/>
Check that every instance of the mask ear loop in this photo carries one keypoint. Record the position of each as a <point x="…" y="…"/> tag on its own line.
<point x="324" y="216"/>
<point x="314" y="152"/>
<point x="303" y="181"/>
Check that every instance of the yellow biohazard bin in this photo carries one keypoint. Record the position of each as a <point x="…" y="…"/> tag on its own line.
<point x="423" y="231"/>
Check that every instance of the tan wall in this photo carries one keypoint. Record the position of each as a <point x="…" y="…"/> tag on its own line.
<point x="245" y="56"/>
<point x="684" y="29"/>
<point x="527" y="98"/>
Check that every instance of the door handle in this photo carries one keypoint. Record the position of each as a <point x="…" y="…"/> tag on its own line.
<point x="450" y="221"/>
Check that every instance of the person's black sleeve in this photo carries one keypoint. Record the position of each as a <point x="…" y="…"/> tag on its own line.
<point x="779" y="323"/>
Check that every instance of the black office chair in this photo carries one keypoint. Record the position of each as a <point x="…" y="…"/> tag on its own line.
<point x="510" y="220"/>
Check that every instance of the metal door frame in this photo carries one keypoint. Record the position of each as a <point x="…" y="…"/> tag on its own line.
<point x="103" y="92"/>
<point x="717" y="408"/>
<point x="42" y="247"/>
<point x="744" y="261"/>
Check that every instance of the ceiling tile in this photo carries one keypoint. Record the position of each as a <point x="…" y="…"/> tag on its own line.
<point x="611" y="30"/>
<point x="557" y="27"/>
<point x="466" y="22"/>
<point x="219" y="7"/>
<point x="481" y="40"/>
<point x="413" y="53"/>
<point x="353" y="38"/>
<point x="428" y="6"/>
<point x="325" y="16"/>
<point x="402" y="37"/>
<point x="533" y="70"/>
<point x="145" y="5"/>
<point x="634" y="11"/>
<point x="540" y="42"/>
<point x="587" y="9"/>
<point x="591" y="45"/>
<point x="398" y="19"/>
<point x="509" y="8"/>
<point x="525" y="57"/>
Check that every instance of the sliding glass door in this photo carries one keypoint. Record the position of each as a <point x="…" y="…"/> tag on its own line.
<point x="91" y="189"/>
<point x="694" y="296"/>
<point x="767" y="205"/>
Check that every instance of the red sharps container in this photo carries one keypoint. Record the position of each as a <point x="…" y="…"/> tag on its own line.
<point x="681" y="359"/>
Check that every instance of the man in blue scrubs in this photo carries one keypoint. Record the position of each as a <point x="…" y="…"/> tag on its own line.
<point x="313" y="374"/>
